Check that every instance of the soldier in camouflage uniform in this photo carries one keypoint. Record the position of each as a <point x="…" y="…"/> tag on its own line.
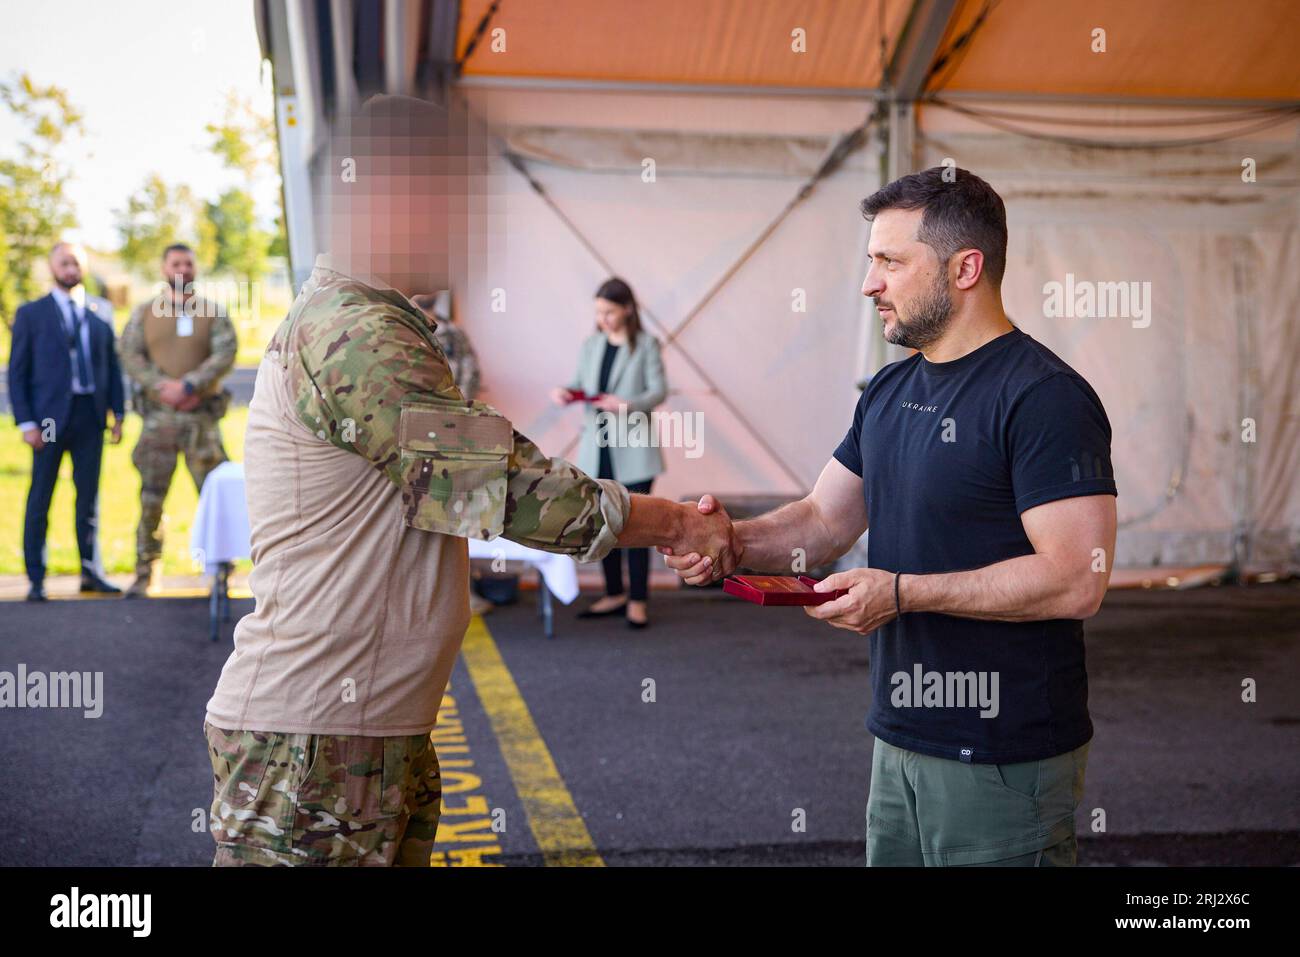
<point x="176" y="348"/>
<point x="366" y="470"/>
<point x="454" y="342"/>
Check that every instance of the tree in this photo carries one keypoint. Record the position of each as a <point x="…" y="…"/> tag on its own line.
<point x="279" y="239"/>
<point x="241" y="246"/>
<point x="156" y="216"/>
<point x="246" y="142"/>
<point x="245" y="139"/>
<point x="10" y="296"/>
<point x="33" y="210"/>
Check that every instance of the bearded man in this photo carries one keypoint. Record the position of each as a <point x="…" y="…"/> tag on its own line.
<point x="981" y="464"/>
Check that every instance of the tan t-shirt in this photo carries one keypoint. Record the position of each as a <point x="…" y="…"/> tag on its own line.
<point x="362" y="600"/>
<point x="359" y="616"/>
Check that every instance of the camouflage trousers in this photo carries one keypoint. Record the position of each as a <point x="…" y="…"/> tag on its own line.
<point x="165" y="434"/>
<point x="321" y="800"/>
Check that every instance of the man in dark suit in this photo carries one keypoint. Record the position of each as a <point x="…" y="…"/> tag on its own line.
<point x="63" y="381"/>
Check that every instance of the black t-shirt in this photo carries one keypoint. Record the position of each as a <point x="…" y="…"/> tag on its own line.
<point x="950" y="454"/>
<point x="605" y="467"/>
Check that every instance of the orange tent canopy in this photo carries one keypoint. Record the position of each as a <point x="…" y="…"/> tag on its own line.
<point x="1191" y="49"/>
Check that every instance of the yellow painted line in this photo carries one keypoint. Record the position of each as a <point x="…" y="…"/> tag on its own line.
<point x="557" y="827"/>
<point x="195" y="592"/>
<point x="465" y="834"/>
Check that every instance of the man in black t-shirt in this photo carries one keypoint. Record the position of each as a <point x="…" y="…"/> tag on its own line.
<point x="982" y="466"/>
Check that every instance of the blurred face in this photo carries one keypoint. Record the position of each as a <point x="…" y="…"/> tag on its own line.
<point x="907" y="281"/>
<point x="406" y="192"/>
<point x="67" y="265"/>
<point x="403" y="222"/>
<point x="610" y="316"/>
<point x="178" y="269"/>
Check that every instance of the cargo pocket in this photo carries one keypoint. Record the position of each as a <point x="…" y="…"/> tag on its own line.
<point x="252" y="801"/>
<point x="454" y="462"/>
<point x="348" y="801"/>
<point x="1014" y="810"/>
<point x="1021" y="778"/>
<point x="399" y="780"/>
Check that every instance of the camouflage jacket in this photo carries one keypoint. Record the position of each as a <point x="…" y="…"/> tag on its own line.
<point x="369" y="377"/>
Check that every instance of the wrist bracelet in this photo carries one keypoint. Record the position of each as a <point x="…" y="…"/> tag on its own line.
<point x="898" y="605"/>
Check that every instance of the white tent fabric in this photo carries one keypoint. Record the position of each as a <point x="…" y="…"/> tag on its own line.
<point x="789" y="374"/>
<point x="584" y="96"/>
<point x="1218" y="346"/>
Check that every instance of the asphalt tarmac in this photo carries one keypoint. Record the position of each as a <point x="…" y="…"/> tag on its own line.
<point x="756" y="724"/>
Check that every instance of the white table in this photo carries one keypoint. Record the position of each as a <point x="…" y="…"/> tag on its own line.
<point x="220" y="535"/>
<point x="556" y="574"/>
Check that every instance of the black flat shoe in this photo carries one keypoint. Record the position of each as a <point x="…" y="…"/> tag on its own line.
<point x="93" y="583"/>
<point x="638" y="624"/>
<point x="588" y="613"/>
<point x="36" y="593"/>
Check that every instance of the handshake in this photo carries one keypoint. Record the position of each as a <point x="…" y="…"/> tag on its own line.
<point x="707" y="547"/>
<point x="702" y="545"/>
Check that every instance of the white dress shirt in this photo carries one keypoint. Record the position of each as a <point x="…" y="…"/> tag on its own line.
<point x="67" y="302"/>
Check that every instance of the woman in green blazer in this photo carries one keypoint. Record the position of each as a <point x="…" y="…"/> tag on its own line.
<point x="620" y="362"/>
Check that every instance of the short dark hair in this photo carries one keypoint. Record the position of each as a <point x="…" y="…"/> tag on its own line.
<point x="177" y="247"/>
<point x="961" y="212"/>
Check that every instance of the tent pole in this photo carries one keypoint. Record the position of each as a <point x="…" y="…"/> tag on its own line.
<point x="902" y="86"/>
<point x="900" y="156"/>
<point x="300" y="125"/>
<point x="1244" y="289"/>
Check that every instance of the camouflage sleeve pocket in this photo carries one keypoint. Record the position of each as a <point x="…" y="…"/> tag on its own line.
<point x="454" y="461"/>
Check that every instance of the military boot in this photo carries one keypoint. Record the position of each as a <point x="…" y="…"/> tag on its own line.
<point x="144" y="578"/>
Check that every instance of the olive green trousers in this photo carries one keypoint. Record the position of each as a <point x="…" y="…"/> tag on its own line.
<point x="924" y="811"/>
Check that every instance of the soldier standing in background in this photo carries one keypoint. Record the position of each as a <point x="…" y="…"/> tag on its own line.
<point x="176" y="348"/>
<point x="456" y="347"/>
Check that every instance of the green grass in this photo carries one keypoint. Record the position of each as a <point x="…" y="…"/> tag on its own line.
<point x="119" y="489"/>
<point x="119" y="504"/>
<point x="254" y="333"/>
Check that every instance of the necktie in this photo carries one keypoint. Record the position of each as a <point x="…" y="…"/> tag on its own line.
<point x="83" y="361"/>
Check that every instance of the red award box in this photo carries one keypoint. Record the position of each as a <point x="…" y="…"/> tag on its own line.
<point x="779" y="590"/>
<point x="577" y="395"/>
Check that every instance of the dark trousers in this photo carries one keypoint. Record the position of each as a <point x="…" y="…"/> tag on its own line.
<point x="638" y="559"/>
<point x="83" y="437"/>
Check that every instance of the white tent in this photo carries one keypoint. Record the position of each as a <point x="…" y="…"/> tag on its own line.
<point x="1167" y="160"/>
